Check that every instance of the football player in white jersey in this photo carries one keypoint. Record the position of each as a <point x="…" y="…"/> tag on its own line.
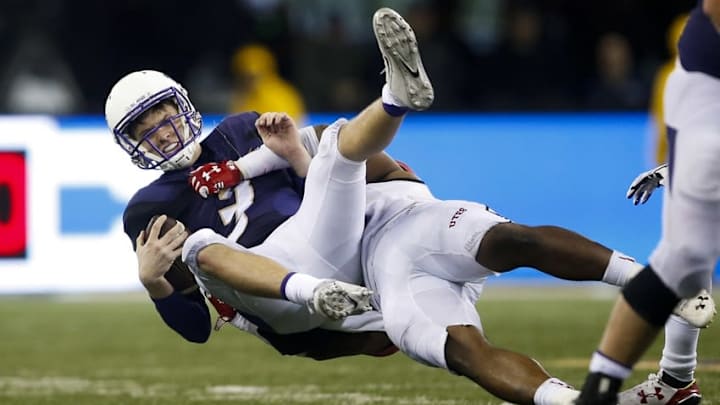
<point x="682" y="264"/>
<point x="427" y="288"/>
<point x="676" y="379"/>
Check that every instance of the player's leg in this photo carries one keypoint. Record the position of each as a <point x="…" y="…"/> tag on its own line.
<point x="675" y="381"/>
<point x="565" y="254"/>
<point x="556" y="251"/>
<point x="508" y="375"/>
<point x="434" y="320"/>
<point x="682" y="263"/>
<point x="332" y="211"/>
<point x="407" y="87"/>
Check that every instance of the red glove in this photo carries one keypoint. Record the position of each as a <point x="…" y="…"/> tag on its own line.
<point x="211" y="178"/>
<point x="226" y="313"/>
<point x="404" y="166"/>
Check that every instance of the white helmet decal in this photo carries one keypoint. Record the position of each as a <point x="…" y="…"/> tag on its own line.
<point x="135" y="94"/>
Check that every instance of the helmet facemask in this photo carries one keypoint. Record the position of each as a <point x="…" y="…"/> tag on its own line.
<point x="181" y="144"/>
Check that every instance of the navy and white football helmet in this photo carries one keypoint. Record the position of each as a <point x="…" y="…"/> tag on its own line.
<point x="135" y="94"/>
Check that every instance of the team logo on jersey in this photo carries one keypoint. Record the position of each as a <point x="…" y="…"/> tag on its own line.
<point x="456" y="216"/>
<point x="13" y="205"/>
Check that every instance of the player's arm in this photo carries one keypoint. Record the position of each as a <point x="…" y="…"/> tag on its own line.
<point x="185" y="313"/>
<point x="156" y="253"/>
<point x="210" y="178"/>
<point x="712" y="9"/>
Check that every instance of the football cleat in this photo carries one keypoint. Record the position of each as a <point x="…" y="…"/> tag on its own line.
<point x="654" y="391"/>
<point x="336" y="300"/>
<point x="404" y="71"/>
<point x="698" y="311"/>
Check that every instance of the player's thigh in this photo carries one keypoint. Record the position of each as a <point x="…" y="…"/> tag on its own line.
<point x="690" y="244"/>
<point x="688" y="250"/>
<point x="443" y="238"/>
<point x="332" y="213"/>
<point x="417" y="313"/>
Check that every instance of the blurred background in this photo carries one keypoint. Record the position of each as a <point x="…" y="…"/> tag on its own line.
<point x="545" y="110"/>
<point x="62" y="56"/>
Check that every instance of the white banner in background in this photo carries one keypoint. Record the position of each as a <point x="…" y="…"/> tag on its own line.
<point x="72" y="178"/>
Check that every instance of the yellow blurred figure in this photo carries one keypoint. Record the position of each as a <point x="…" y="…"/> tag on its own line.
<point x="656" y="102"/>
<point x="259" y="87"/>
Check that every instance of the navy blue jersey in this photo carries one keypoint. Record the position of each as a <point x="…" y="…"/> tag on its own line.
<point x="248" y="213"/>
<point x="699" y="45"/>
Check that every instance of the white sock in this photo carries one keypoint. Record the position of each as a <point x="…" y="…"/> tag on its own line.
<point x="603" y="364"/>
<point x="389" y="98"/>
<point x="620" y="269"/>
<point x="554" y="392"/>
<point x="679" y="356"/>
<point x="299" y="288"/>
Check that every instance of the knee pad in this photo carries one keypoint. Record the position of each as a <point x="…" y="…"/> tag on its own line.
<point x="650" y="297"/>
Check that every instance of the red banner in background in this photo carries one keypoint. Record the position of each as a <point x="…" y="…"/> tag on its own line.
<point x="13" y="205"/>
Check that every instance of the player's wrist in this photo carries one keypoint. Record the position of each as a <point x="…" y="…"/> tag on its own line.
<point x="259" y="162"/>
<point x="300" y="161"/>
<point x="157" y="287"/>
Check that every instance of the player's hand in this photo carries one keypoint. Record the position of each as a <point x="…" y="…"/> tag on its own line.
<point x="279" y="133"/>
<point x="337" y="300"/>
<point x="211" y="178"/>
<point x="644" y="184"/>
<point x="156" y="253"/>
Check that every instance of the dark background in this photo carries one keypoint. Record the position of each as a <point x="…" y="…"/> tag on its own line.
<point x="62" y="56"/>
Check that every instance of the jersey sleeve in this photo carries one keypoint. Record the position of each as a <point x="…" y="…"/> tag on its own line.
<point x="186" y="314"/>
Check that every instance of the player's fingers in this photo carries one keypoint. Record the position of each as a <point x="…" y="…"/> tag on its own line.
<point x="177" y="243"/>
<point x="645" y="196"/>
<point x="175" y="231"/>
<point x="155" y="229"/>
<point x="140" y="240"/>
<point x="630" y="192"/>
<point x="261" y="122"/>
<point x="639" y="198"/>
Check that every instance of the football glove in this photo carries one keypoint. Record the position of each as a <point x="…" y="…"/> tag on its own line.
<point x="337" y="300"/>
<point x="211" y="178"/>
<point x="644" y="184"/>
<point x="226" y="313"/>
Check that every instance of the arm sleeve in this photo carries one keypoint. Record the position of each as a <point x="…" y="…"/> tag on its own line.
<point x="263" y="160"/>
<point x="186" y="314"/>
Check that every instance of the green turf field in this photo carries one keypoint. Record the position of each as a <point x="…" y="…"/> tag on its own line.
<point x="115" y="350"/>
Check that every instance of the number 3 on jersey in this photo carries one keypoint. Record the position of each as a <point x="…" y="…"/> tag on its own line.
<point x="244" y="196"/>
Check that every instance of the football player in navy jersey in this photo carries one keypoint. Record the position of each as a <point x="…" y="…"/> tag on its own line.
<point x="155" y="123"/>
<point x="153" y="120"/>
<point x="683" y="261"/>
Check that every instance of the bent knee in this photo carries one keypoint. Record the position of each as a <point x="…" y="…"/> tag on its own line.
<point x="422" y="341"/>
<point x="507" y="245"/>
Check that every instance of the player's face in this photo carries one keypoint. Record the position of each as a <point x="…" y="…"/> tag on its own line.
<point x="160" y="128"/>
